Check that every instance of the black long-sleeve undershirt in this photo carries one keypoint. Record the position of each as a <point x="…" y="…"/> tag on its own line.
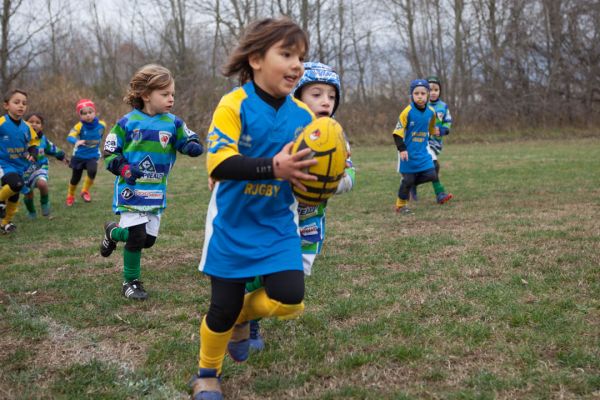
<point x="400" y="145"/>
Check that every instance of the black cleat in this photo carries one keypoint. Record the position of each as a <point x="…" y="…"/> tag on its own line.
<point x="108" y="245"/>
<point x="8" y="228"/>
<point x="2" y="209"/>
<point x="134" y="290"/>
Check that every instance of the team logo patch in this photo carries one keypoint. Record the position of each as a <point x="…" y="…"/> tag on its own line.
<point x="440" y="116"/>
<point x="127" y="193"/>
<point x="164" y="137"/>
<point x="314" y="135"/>
<point x="136" y="135"/>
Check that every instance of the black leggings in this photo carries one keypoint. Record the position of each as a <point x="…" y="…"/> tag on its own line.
<point x="91" y="166"/>
<point x="15" y="183"/>
<point x="138" y="238"/>
<point x="227" y="296"/>
<point x="410" y="180"/>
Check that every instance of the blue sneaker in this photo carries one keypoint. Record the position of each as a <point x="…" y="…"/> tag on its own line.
<point x="46" y="210"/>
<point x="443" y="197"/>
<point x="239" y="344"/>
<point x="206" y="385"/>
<point x="32" y="215"/>
<point x="256" y="340"/>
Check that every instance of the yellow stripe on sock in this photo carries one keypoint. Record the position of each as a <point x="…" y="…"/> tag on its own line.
<point x="401" y="203"/>
<point x="87" y="184"/>
<point x="6" y="192"/>
<point x="258" y="305"/>
<point x="11" y="210"/>
<point x="71" y="190"/>
<point x="213" y="346"/>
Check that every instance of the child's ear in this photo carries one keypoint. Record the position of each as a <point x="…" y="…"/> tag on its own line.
<point x="254" y="61"/>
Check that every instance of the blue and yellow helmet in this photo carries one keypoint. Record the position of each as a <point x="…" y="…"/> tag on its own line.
<point x="315" y="72"/>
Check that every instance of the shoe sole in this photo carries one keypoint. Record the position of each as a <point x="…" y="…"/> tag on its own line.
<point x="446" y="199"/>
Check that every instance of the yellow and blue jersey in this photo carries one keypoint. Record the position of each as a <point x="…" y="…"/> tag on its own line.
<point x="92" y="133"/>
<point x="415" y="127"/>
<point x="252" y="225"/>
<point x="15" y="139"/>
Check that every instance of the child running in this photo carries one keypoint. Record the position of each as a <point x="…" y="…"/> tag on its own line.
<point x="18" y="149"/>
<point x="86" y="136"/>
<point x="415" y="125"/>
<point x="36" y="175"/>
<point x="320" y="89"/>
<point x="141" y="150"/>
<point x="251" y="224"/>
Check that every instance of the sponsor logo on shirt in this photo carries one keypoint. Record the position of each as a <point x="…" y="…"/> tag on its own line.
<point x="310" y="233"/>
<point x="149" y="194"/>
<point x="127" y="193"/>
<point x="149" y="170"/>
<point x="188" y="132"/>
<point x="307" y="210"/>
<point x="110" y="144"/>
<point x="262" y="189"/>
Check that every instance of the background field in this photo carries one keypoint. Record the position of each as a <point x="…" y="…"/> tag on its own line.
<point x="495" y="295"/>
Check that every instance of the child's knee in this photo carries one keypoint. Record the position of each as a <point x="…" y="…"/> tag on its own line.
<point x="14" y="181"/>
<point x="137" y="238"/>
<point x="150" y="240"/>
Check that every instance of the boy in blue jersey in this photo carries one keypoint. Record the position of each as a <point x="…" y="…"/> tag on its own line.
<point x="86" y="136"/>
<point x="443" y="123"/>
<point x="141" y="150"/>
<point x="36" y="175"/>
<point x="415" y="125"/>
<point x="18" y="148"/>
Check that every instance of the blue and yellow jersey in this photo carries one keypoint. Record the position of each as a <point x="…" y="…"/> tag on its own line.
<point x="252" y="225"/>
<point x="47" y="148"/>
<point x="150" y="143"/>
<point x="415" y="127"/>
<point x="92" y="133"/>
<point x="15" y="139"/>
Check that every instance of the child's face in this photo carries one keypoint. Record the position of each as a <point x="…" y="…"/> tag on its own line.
<point x="420" y="96"/>
<point x="278" y="71"/>
<point x="87" y="114"/>
<point x="35" y="122"/>
<point x="320" y="98"/>
<point x="434" y="92"/>
<point x="16" y="105"/>
<point x="159" y="101"/>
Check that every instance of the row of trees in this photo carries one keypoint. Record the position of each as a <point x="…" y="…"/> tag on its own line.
<point x="505" y="64"/>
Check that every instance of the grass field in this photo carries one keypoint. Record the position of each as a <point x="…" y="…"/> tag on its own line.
<point x="495" y="295"/>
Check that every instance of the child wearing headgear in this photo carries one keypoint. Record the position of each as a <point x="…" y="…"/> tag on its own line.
<point x="443" y="123"/>
<point x="141" y="150"/>
<point x="36" y="175"/>
<point x="252" y="232"/>
<point x="86" y="136"/>
<point x="416" y="124"/>
<point x="18" y="148"/>
<point x="320" y="89"/>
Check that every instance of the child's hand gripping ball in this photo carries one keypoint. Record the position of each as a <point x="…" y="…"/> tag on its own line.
<point x="325" y="137"/>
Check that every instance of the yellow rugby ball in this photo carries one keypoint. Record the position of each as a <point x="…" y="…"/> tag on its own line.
<point x="325" y="137"/>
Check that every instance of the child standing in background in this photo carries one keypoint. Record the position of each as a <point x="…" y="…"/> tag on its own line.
<point x="36" y="175"/>
<point x="415" y="125"/>
<point x="249" y="232"/>
<point x="443" y="124"/>
<point x="86" y="136"/>
<point x="18" y="149"/>
<point x="141" y="150"/>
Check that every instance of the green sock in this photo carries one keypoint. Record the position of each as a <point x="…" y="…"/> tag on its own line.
<point x="119" y="234"/>
<point x="44" y="199"/>
<point x="438" y="187"/>
<point x="29" y="204"/>
<point x="254" y="285"/>
<point x="131" y="262"/>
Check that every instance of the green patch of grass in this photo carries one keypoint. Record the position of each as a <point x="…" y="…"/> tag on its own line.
<point x="493" y="295"/>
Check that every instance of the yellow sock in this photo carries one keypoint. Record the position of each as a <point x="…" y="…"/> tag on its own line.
<point x="213" y="346"/>
<point x="6" y="192"/>
<point x="401" y="203"/>
<point x="87" y="184"/>
<point x="71" y="190"/>
<point x="11" y="209"/>
<point x="258" y="305"/>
